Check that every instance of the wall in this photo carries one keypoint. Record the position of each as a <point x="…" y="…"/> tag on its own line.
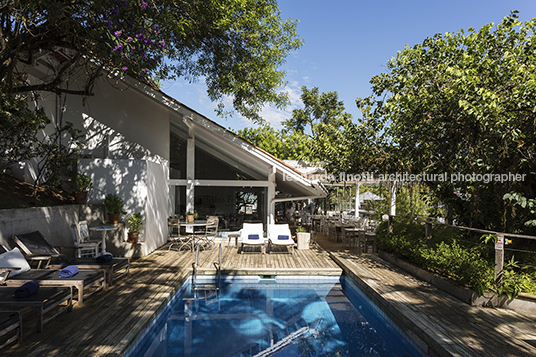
<point x="53" y="222"/>
<point x="142" y="185"/>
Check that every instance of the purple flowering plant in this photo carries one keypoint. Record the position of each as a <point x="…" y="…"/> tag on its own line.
<point x="131" y="38"/>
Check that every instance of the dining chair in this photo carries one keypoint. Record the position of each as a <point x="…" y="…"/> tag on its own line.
<point x="177" y="235"/>
<point x="84" y="247"/>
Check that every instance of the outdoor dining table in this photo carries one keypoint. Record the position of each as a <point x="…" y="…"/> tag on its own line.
<point x="355" y="235"/>
<point x="190" y="228"/>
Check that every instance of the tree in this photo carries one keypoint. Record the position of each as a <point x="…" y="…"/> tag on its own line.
<point x="322" y="131"/>
<point x="19" y="128"/>
<point x="236" y="45"/>
<point x="464" y="104"/>
<point x="283" y="144"/>
<point x="319" y="108"/>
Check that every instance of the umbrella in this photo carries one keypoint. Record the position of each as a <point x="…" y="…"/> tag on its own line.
<point x="369" y="196"/>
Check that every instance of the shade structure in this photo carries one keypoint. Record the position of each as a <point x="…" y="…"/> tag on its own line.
<point x="369" y="196"/>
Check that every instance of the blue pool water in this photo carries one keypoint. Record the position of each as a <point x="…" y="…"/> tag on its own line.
<point x="285" y="316"/>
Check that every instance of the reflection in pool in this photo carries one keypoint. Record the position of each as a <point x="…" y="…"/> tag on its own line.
<point x="287" y="316"/>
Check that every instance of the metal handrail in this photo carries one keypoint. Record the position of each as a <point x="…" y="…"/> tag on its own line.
<point x="217" y="265"/>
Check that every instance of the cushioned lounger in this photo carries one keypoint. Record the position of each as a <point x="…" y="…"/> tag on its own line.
<point x="46" y="300"/>
<point x="280" y="235"/>
<point x="83" y="281"/>
<point x="37" y="248"/>
<point x="115" y="268"/>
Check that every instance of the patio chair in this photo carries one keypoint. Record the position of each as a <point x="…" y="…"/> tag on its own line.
<point x="10" y="328"/>
<point x="15" y="271"/>
<point x="178" y="236"/>
<point x="84" y="247"/>
<point x="48" y="302"/>
<point x="279" y="234"/>
<point x="252" y="234"/>
<point x="211" y="231"/>
<point x="37" y="248"/>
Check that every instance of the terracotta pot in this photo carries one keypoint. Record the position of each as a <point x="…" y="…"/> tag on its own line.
<point x="113" y="218"/>
<point x="133" y="237"/>
<point x="190" y="218"/>
<point x="80" y="197"/>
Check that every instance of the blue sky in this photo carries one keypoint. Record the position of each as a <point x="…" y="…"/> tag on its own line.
<point x="347" y="42"/>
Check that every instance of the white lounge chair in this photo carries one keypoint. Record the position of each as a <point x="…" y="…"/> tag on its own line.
<point x="279" y="234"/>
<point x="252" y="234"/>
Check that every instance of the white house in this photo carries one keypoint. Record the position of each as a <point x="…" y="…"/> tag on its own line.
<point x="163" y="158"/>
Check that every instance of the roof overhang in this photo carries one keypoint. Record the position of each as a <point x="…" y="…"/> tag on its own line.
<point x="290" y="182"/>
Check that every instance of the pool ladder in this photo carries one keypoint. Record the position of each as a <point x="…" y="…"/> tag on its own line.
<point x="200" y="286"/>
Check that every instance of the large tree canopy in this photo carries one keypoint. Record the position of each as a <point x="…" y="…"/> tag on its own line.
<point x="463" y="103"/>
<point x="322" y="131"/>
<point x="237" y="46"/>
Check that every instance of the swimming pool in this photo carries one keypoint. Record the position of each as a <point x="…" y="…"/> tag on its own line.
<point x="272" y="316"/>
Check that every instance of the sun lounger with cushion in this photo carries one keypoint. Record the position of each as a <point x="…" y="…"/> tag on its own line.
<point x="252" y="234"/>
<point x="15" y="271"/>
<point x="280" y="235"/>
<point x="37" y="248"/>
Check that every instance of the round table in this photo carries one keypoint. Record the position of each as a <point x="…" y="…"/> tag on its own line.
<point x="103" y="229"/>
<point x="190" y="228"/>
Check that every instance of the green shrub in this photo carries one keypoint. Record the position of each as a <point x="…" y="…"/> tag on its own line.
<point x="444" y="255"/>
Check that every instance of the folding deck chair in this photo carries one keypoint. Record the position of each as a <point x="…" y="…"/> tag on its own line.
<point x="37" y="248"/>
<point x="15" y="271"/>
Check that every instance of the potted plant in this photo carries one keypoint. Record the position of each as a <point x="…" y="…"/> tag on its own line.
<point x="114" y="206"/>
<point x="191" y="216"/>
<point x="81" y="184"/>
<point x="134" y="226"/>
<point x="303" y="237"/>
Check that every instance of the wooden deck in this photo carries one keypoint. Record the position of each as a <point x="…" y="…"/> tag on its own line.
<point x="109" y="322"/>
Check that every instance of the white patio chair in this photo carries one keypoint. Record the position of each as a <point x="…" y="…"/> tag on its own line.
<point x="252" y="234"/>
<point x="279" y="234"/>
<point x="84" y="247"/>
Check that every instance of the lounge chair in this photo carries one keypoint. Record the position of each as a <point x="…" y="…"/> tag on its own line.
<point x="252" y="234"/>
<point x="37" y="248"/>
<point x="44" y="302"/>
<point x="10" y="328"/>
<point x="15" y="271"/>
<point x="279" y="234"/>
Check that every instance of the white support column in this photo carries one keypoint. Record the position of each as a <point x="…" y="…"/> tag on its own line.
<point x="357" y="203"/>
<point x="190" y="167"/>
<point x="392" y="210"/>
<point x="271" y="197"/>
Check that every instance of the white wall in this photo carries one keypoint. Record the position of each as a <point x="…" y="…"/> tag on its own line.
<point x="126" y="135"/>
<point x="141" y="184"/>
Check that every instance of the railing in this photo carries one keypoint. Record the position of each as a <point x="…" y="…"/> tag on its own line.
<point x="500" y="243"/>
<point x="195" y="285"/>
